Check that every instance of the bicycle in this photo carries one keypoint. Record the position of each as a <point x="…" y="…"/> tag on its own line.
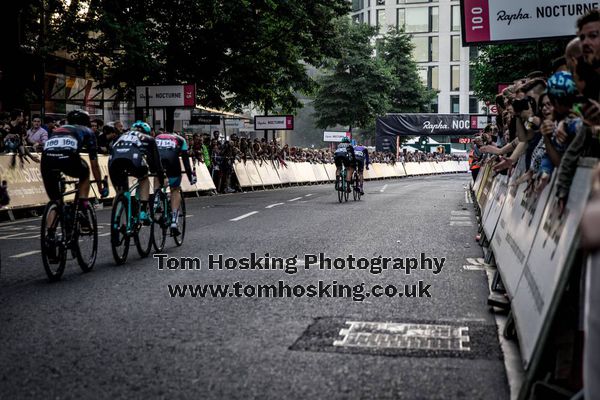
<point x="342" y="186"/>
<point x="356" y="186"/>
<point x="125" y="223"/>
<point x="162" y="217"/>
<point x="62" y="231"/>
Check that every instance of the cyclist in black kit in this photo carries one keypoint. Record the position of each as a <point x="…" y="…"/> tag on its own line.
<point x="135" y="153"/>
<point x="344" y="155"/>
<point x="170" y="147"/>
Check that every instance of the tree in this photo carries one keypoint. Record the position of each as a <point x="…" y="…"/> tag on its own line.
<point x="356" y="86"/>
<point x="408" y="92"/>
<point x="509" y="62"/>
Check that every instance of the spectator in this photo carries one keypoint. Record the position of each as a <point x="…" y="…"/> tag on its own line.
<point x="37" y="136"/>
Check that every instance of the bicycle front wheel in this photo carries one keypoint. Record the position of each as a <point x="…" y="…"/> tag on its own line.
<point x="86" y="242"/>
<point x="160" y="219"/>
<point x="119" y="238"/>
<point x="143" y="233"/>
<point x="54" y="250"/>
<point x="181" y="222"/>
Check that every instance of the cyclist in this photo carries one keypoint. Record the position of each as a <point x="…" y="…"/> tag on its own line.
<point x="361" y="156"/>
<point x="135" y="153"/>
<point x="61" y="154"/>
<point x="170" y="147"/>
<point x="344" y="155"/>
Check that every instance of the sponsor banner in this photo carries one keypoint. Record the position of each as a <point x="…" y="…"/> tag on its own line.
<point x="277" y="122"/>
<point x="234" y="123"/>
<point x="487" y="21"/>
<point x="166" y="96"/>
<point x="334" y="136"/>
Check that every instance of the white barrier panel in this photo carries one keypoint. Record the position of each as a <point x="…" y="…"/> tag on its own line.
<point x="388" y="171"/>
<point x="437" y="168"/>
<point x="463" y="166"/>
<point x="286" y="173"/>
<point x="268" y="174"/>
<point x="301" y="174"/>
<point x="545" y="273"/>
<point x="378" y="169"/>
<point x="252" y="172"/>
<point x="320" y="174"/>
<point x="399" y="169"/>
<point x="330" y="169"/>
<point x="447" y="166"/>
<point x="205" y="182"/>
<point x="426" y="168"/>
<point x="491" y="214"/>
<point x="241" y="174"/>
<point x="411" y="168"/>
<point x="370" y="173"/>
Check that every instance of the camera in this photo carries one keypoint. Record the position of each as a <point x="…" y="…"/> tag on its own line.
<point x="524" y="104"/>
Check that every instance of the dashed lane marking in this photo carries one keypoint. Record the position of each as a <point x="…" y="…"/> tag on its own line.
<point x="295" y="199"/>
<point x="383" y="188"/>
<point x="27" y="253"/>
<point x="274" y="205"/>
<point x="243" y="216"/>
<point x="308" y="195"/>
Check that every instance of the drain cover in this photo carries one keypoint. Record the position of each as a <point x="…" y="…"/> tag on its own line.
<point x="404" y="336"/>
<point x="471" y="339"/>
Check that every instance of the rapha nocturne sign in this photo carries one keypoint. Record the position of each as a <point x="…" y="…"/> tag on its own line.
<point x="427" y="124"/>
<point x="489" y="21"/>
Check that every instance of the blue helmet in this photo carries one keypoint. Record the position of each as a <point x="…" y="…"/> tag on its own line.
<point x="561" y="84"/>
<point x="345" y="139"/>
<point x="142" y="127"/>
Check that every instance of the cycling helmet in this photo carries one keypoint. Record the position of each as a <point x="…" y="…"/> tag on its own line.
<point x="561" y="84"/>
<point x="142" y="127"/>
<point x="78" y="117"/>
<point x="345" y="139"/>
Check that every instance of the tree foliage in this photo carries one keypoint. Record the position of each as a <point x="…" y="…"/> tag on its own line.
<point x="509" y="62"/>
<point x="237" y="52"/>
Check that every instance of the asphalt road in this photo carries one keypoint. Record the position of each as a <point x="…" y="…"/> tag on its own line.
<point x="116" y="332"/>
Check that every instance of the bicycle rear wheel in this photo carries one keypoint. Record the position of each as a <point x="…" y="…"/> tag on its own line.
<point x="119" y="239"/>
<point x="54" y="251"/>
<point x="160" y="219"/>
<point x="143" y="232"/>
<point x="180" y="222"/>
<point x="86" y="243"/>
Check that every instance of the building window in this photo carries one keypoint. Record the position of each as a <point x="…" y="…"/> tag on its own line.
<point x="434" y="48"/>
<point x="454" y="77"/>
<point x="369" y="17"/>
<point x="455" y="48"/>
<point x="423" y="74"/>
<point x="471" y="79"/>
<point x="473" y="105"/>
<point x="454" y="104"/>
<point x="434" y="106"/>
<point x="433" y="80"/>
<point x="434" y="19"/>
<point x="400" y="19"/>
<point x="417" y="19"/>
<point x="358" y="5"/>
<point x="421" y="50"/>
<point x="455" y="18"/>
<point x="381" y="2"/>
<point x="380" y="18"/>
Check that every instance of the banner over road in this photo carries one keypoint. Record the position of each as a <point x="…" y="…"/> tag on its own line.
<point x="488" y="21"/>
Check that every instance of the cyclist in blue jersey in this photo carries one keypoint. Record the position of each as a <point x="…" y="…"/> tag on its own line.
<point x="361" y="155"/>
<point x="344" y="155"/>
<point x="170" y="147"/>
<point x="61" y="154"/>
<point x="135" y="153"/>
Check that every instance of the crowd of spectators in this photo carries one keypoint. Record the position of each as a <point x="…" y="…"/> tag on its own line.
<point x="546" y="123"/>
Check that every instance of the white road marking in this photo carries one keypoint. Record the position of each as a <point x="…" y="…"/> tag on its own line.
<point x="15" y="235"/>
<point x="308" y="195"/>
<point x="244" y="216"/>
<point x="104" y="234"/>
<point x="457" y="218"/>
<point x="460" y="213"/>
<point x="297" y="198"/>
<point x="274" y="205"/>
<point x="28" y="253"/>
<point x="474" y="267"/>
<point x="383" y="188"/>
<point x="461" y="223"/>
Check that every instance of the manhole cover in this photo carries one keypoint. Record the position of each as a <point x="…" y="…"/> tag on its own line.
<point x="471" y="339"/>
<point x="383" y="335"/>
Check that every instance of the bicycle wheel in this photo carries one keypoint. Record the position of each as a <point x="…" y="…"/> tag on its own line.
<point x="180" y="222"/>
<point x="160" y="219"/>
<point x="86" y="242"/>
<point x="143" y="232"/>
<point x="340" y="192"/>
<point x="119" y="239"/>
<point x="54" y="251"/>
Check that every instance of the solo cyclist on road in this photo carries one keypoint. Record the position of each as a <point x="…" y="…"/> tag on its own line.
<point x="361" y="155"/>
<point x="170" y="147"/>
<point x="135" y="153"/>
<point x="344" y="155"/>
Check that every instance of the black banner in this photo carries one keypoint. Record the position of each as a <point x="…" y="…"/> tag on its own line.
<point x="392" y="125"/>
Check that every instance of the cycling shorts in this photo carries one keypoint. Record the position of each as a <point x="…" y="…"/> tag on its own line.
<point x="121" y="168"/>
<point x="52" y="167"/>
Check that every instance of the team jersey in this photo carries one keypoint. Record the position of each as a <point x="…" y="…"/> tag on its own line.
<point x="133" y="145"/>
<point x="170" y="147"/>
<point x="344" y="149"/>
<point x="71" y="139"/>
